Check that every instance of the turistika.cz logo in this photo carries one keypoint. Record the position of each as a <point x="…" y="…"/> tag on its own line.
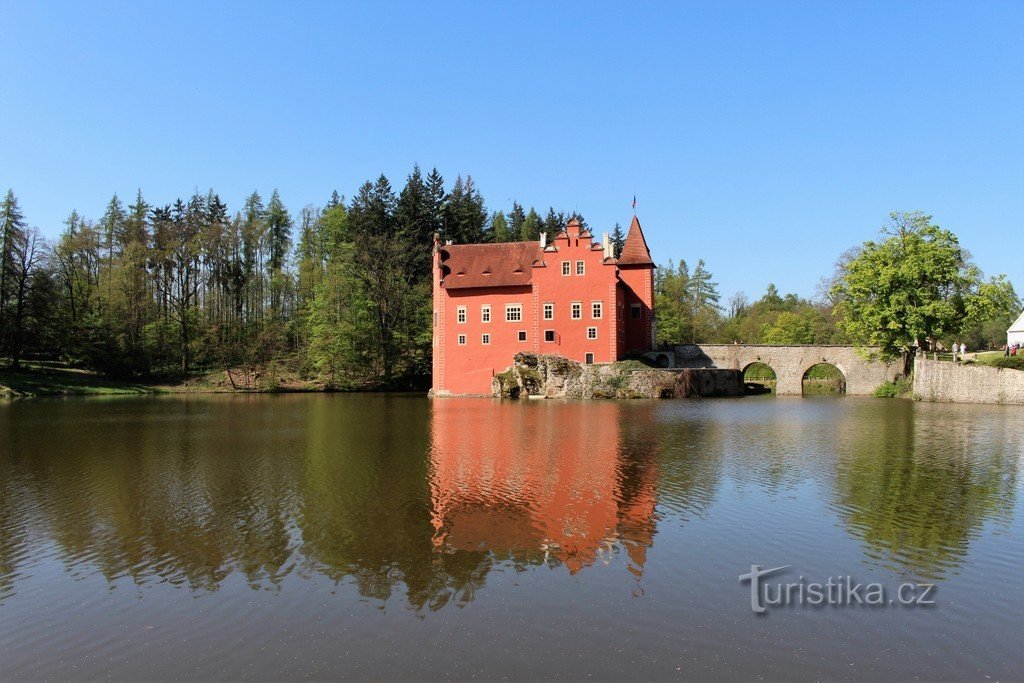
<point x="837" y="591"/>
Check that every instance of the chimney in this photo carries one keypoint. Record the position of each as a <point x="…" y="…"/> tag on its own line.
<point x="607" y="244"/>
<point x="543" y="240"/>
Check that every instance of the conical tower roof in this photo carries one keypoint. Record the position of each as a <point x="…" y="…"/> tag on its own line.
<point x="634" y="249"/>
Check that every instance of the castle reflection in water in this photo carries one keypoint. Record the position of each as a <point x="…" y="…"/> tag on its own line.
<point x="565" y="492"/>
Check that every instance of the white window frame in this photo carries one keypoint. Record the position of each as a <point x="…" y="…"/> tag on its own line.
<point x="485" y="313"/>
<point x="522" y="336"/>
<point x="566" y="268"/>
<point x="591" y="333"/>
<point x="461" y="315"/>
<point x="581" y="267"/>
<point x="576" y="310"/>
<point x="549" y="311"/>
<point x="508" y="313"/>
<point x="588" y="358"/>
<point x="485" y="339"/>
<point x="553" y="337"/>
<point x="462" y="340"/>
<point x="596" y="307"/>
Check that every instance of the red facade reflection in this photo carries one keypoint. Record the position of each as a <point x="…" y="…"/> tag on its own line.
<point x="550" y="480"/>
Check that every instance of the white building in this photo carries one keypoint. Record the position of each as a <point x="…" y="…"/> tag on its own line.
<point x="1015" y="335"/>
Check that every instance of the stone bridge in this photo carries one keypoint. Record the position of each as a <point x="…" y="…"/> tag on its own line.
<point x="790" y="363"/>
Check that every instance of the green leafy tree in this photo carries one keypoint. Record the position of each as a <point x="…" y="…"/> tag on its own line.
<point x="672" y="304"/>
<point x="914" y="284"/>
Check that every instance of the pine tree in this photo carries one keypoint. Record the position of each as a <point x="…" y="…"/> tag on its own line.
<point x="465" y="216"/>
<point x="618" y="239"/>
<point x="436" y="197"/>
<point x="373" y="210"/>
<point x="279" y="232"/>
<point x="12" y="235"/>
<point x="554" y="222"/>
<point x="414" y="222"/>
<point x="532" y="226"/>
<point x="516" y="218"/>
<point x="499" y="230"/>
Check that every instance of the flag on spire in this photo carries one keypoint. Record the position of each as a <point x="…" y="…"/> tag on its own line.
<point x="634" y="203"/>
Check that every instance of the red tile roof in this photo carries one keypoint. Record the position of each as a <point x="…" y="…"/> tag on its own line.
<point x="634" y="250"/>
<point x="505" y="264"/>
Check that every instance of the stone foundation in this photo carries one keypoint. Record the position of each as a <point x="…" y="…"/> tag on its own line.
<point x="543" y="376"/>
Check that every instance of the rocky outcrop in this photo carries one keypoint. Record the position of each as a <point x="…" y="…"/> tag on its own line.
<point x="543" y="376"/>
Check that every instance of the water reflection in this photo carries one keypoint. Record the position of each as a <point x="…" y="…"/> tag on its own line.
<point x="551" y="484"/>
<point x="423" y="500"/>
<point x="920" y="485"/>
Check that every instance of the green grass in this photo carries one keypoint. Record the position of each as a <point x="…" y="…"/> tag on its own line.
<point x="40" y="379"/>
<point x="1014" y="362"/>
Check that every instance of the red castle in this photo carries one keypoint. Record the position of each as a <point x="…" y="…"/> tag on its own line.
<point x="569" y="297"/>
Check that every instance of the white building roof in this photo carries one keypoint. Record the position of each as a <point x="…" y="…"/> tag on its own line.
<point x="1017" y="326"/>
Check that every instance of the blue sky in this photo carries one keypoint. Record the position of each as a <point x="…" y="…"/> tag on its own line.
<point x="764" y="137"/>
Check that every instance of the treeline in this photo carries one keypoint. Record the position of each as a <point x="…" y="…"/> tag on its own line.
<point x="915" y="286"/>
<point x="689" y="310"/>
<point x="340" y="291"/>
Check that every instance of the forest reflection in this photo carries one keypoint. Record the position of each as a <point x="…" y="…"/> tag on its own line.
<point x="422" y="500"/>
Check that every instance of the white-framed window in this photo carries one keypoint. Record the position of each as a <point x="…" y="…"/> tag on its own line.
<point x="485" y="339"/>
<point x="513" y="313"/>
<point x="485" y="313"/>
<point x="588" y="359"/>
<point x="566" y="267"/>
<point x="549" y="335"/>
<point x="591" y="333"/>
<point x="460" y="314"/>
<point x="577" y="310"/>
<point x="634" y="311"/>
<point x="597" y="310"/>
<point x="462" y="340"/>
<point x="581" y="267"/>
<point x="522" y="335"/>
<point x="549" y="311"/>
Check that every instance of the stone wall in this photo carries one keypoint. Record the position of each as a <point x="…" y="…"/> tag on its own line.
<point x="537" y="375"/>
<point x="954" y="383"/>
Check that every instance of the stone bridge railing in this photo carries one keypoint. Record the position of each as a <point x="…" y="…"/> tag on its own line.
<point x="790" y="363"/>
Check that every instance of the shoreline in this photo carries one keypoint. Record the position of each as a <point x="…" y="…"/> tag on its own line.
<point x="41" y="381"/>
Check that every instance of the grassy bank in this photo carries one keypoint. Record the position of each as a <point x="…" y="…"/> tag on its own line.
<point x="54" y="379"/>
<point x="38" y="379"/>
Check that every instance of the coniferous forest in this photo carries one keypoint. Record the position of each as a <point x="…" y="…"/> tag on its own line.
<point x="338" y="294"/>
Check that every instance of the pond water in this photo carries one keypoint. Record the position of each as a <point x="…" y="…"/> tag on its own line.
<point x="391" y="536"/>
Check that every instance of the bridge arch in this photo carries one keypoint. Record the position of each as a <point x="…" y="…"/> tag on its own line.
<point x="758" y="374"/>
<point x="823" y="377"/>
